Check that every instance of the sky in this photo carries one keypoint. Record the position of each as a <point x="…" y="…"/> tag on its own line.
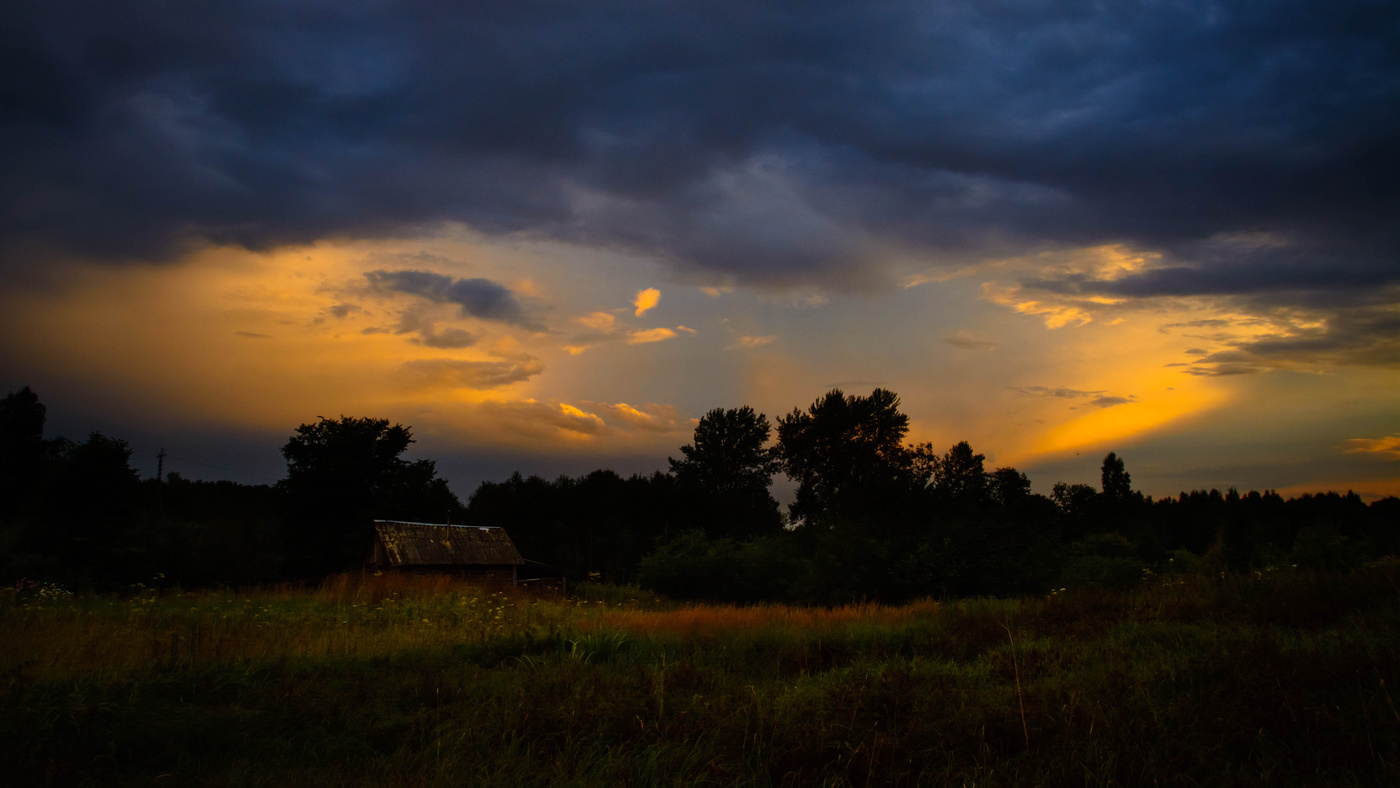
<point x="549" y="236"/>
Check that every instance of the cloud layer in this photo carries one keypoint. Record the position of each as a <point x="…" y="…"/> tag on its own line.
<point x="773" y="143"/>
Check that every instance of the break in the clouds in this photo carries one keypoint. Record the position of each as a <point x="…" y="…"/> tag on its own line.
<point x="774" y="143"/>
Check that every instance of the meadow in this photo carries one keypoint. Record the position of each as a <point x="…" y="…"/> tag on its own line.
<point x="1282" y="678"/>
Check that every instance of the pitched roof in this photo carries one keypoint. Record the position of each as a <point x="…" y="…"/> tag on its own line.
<point x="429" y="544"/>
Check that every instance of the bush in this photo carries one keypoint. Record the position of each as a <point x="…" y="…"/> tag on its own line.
<point x="1103" y="572"/>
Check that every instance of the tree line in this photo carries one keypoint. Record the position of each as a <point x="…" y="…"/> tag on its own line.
<point x="874" y="517"/>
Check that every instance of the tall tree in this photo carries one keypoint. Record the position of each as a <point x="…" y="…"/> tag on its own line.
<point x="342" y="474"/>
<point x="845" y="452"/>
<point x="959" y="476"/>
<point x="1117" y="484"/>
<point x="21" y="448"/>
<point x="87" y="506"/>
<point x="729" y="452"/>
<point x="729" y="469"/>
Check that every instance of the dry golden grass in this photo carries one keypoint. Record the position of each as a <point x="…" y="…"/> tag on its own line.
<point x="348" y="616"/>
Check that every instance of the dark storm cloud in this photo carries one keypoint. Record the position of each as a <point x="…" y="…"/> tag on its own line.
<point x="479" y="298"/>
<point x="780" y="143"/>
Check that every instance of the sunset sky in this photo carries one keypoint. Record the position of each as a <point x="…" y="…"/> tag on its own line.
<point x="549" y="236"/>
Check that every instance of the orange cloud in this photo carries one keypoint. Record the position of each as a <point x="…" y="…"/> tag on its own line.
<point x="1389" y="446"/>
<point x="646" y="299"/>
<point x="649" y="335"/>
<point x="656" y="418"/>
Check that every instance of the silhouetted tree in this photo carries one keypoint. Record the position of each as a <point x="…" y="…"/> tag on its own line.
<point x="87" y="503"/>
<point x="1117" y="484"/>
<point x="1008" y="486"/>
<point x="342" y="474"/>
<point x="727" y="471"/>
<point x="21" y="448"/>
<point x="728" y="453"/>
<point x="598" y="523"/>
<point x="847" y="454"/>
<point x="958" y="476"/>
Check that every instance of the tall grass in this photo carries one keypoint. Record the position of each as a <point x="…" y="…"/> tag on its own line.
<point x="1280" y="679"/>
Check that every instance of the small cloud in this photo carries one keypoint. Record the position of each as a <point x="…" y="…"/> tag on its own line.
<point x="1210" y="323"/>
<point x="252" y="335"/>
<point x="966" y="341"/>
<point x="575" y="420"/>
<point x="747" y="342"/>
<point x="646" y="299"/>
<point x="1108" y="402"/>
<point x="602" y="322"/>
<point x="651" y="417"/>
<point x="715" y="292"/>
<point x="1389" y="446"/>
<point x="649" y="335"/>
<point x="456" y="374"/>
<point x="546" y="420"/>
<point x="1223" y="370"/>
<point x="342" y="311"/>
<point x="448" y="338"/>
<point x="605" y="327"/>
<point x="914" y="280"/>
<point x="1054" y="315"/>
<point x="1195" y="351"/>
<point x="1058" y="391"/>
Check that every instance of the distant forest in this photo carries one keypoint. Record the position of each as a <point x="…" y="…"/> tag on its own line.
<point x="874" y="518"/>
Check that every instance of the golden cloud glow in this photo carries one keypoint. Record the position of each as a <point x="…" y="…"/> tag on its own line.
<point x="580" y="421"/>
<point x="658" y="418"/>
<point x="1389" y="446"/>
<point x="646" y="300"/>
<point x="644" y="336"/>
<point x="747" y="342"/>
<point x="1056" y="315"/>
<point x="269" y="341"/>
<point x="1107" y="425"/>
<point x="602" y="322"/>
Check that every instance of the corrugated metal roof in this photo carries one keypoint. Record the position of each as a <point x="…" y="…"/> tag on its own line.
<point x="430" y="544"/>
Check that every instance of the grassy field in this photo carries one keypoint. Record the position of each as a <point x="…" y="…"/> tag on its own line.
<point x="1272" y="679"/>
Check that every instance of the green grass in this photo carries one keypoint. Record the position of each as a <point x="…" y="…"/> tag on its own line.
<point x="1280" y="679"/>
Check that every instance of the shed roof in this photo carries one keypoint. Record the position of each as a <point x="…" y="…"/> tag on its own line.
<point x="432" y="544"/>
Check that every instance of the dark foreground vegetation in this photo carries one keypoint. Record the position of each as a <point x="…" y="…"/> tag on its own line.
<point x="1283" y="678"/>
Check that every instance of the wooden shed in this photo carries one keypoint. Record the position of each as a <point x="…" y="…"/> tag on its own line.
<point x="464" y="550"/>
